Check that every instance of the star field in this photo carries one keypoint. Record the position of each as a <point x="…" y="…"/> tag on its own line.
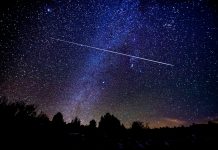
<point x="79" y="81"/>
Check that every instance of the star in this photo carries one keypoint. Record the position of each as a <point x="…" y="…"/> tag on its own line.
<point x="48" y="10"/>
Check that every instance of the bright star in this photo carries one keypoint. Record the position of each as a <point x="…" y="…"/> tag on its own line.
<point x="48" y="10"/>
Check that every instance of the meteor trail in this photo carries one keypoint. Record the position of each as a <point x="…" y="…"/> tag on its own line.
<point x="118" y="53"/>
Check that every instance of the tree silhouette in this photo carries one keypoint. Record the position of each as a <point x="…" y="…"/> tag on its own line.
<point x="75" y="123"/>
<point x="24" y="111"/>
<point x="16" y="112"/>
<point x="137" y="125"/>
<point x="58" y="119"/>
<point x="92" y="124"/>
<point x="43" y="118"/>
<point x="109" y="122"/>
<point x="7" y="110"/>
<point x="147" y="125"/>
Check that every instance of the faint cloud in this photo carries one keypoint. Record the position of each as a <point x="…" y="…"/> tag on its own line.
<point x="168" y="122"/>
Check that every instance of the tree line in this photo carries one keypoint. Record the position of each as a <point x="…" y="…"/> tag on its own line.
<point x="21" y="125"/>
<point x="20" y="112"/>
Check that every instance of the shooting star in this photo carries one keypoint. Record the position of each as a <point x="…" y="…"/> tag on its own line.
<point x="109" y="51"/>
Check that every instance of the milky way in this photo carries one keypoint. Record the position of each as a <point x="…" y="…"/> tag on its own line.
<point x="79" y="81"/>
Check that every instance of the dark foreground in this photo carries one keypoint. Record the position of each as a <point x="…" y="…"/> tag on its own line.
<point x="22" y="128"/>
<point x="48" y="137"/>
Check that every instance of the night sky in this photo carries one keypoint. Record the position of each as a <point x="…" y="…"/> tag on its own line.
<point x="85" y="82"/>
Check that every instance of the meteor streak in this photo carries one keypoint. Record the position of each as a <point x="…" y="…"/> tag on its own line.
<point x="109" y="51"/>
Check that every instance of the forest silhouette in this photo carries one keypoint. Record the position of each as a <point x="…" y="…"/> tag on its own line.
<point x="22" y="127"/>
